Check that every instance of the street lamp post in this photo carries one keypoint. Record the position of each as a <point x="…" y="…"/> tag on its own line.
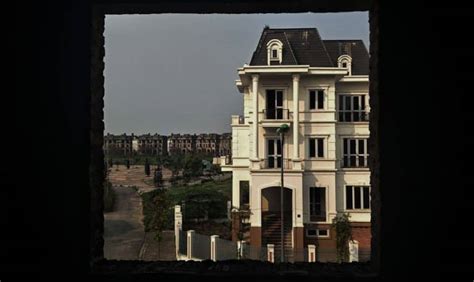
<point x="282" y="130"/>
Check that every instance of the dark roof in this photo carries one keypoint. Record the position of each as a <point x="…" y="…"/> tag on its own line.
<point x="304" y="46"/>
<point x="354" y="48"/>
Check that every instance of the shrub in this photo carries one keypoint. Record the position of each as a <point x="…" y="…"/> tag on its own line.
<point x="343" y="229"/>
<point x="157" y="212"/>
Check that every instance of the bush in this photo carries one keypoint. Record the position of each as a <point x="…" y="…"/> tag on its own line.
<point x="109" y="197"/>
<point x="157" y="212"/>
<point x="343" y="229"/>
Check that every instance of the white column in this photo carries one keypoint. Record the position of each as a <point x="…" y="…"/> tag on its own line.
<point x="353" y="250"/>
<point x="311" y="253"/>
<point x="255" y="116"/>
<point x="240" y="249"/>
<point x="178" y="223"/>
<point x="214" y="247"/>
<point x="296" y="84"/>
<point x="190" y="244"/>
<point x="271" y="253"/>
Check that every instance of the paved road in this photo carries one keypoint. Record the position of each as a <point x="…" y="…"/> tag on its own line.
<point x="123" y="228"/>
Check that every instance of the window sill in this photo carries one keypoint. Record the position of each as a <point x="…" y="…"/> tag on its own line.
<point x="355" y="169"/>
<point x="358" y="211"/>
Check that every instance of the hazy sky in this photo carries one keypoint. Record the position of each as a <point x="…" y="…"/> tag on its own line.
<point x="175" y="72"/>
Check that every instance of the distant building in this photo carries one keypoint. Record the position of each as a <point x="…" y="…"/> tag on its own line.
<point x="211" y="144"/>
<point x="118" y="144"/>
<point x="208" y="144"/>
<point x="154" y="145"/>
<point x="225" y="144"/>
<point x="181" y="143"/>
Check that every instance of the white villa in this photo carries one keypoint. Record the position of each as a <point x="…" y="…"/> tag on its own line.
<point x="320" y="89"/>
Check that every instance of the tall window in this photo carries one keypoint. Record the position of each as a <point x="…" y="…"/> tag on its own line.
<point x="357" y="198"/>
<point x="244" y="193"/>
<point x="316" y="147"/>
<point x="352" y="108"/>
<point x="317" y="203"/>
<point x="273" y="153"/>
<point x="355" y="152"/>
<point x="316" y="99"/>
<point x="274" y="105"/>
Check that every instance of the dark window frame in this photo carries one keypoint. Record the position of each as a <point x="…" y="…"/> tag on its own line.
<point x="350" y="192"/>
<point x="314" y="150"/>
<point x="314" y="103"/>
<point x="313" y="205"/>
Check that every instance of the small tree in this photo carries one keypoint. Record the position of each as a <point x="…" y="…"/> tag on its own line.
<point x="343" y="229"/>
<point x="147" y="167"/>
<point x="241" y="213"/>
<point x="158" y="178"/>
<point x="159" y="216"/>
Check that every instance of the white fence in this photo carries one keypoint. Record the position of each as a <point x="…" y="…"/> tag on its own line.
<point x="193" y="246"/>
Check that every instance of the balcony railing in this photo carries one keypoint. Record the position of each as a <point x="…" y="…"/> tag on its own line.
<point x="276" y="114"/>
<point x="353" y="116"/>
<point x="275" y="163"/>
<point x="355" y="161"/>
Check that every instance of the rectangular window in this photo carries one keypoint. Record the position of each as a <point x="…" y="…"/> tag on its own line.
<point x="355" y="152"/>
<point x="357" y="198"/>
<point x="316" y="147"/>
<point x="352" y="108"/>
<point x="274" y="105"/>
<point x="317" y="203"/>
<point x="244" y="193"/>
<point x="273" y="159"/>
<point x="317" y="232"/>
<point x="274" y="54"/>
<point x="316" y="99"/>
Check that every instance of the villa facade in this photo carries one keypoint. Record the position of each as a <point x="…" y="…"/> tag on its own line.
<point x="320" y="89"/>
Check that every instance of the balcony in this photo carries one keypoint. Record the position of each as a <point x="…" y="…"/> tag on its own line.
<point x="236" y="119"/>
<point x="275" y="163"/>
<point x="275" y="117"/>
<point x="353" y="116"/>
<point x="355" y="162"/>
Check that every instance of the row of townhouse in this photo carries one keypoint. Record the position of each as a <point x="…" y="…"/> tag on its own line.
<point x="157" y="145"/>
<point x="320" y="89"/>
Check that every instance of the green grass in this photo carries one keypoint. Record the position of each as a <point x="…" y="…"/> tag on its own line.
<point x="210" y="196"/>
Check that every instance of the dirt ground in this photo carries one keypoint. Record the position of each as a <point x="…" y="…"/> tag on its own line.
<point x="135" y="176"/>
<point x="124" y="236"/>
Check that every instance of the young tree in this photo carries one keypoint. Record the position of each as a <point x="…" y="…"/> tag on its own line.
<point x="343" y="229"/>
<point x="147" y="167"/>
<point x="160" y="207"/>
<point x="158" y="178"/>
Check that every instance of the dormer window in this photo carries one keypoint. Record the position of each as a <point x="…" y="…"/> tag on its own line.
<point x="274" y="54"/>
<point x="345" y="61"/>
<point x="274" y="51"/>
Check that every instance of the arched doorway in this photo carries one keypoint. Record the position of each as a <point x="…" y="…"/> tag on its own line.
<point x="271" y="217"/>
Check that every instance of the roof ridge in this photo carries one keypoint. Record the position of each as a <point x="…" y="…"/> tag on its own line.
<point x="291" y="49"/>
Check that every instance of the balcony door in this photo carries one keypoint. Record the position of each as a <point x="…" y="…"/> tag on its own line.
<point x="274" y="153"/>
<point x="274" y="104"/>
